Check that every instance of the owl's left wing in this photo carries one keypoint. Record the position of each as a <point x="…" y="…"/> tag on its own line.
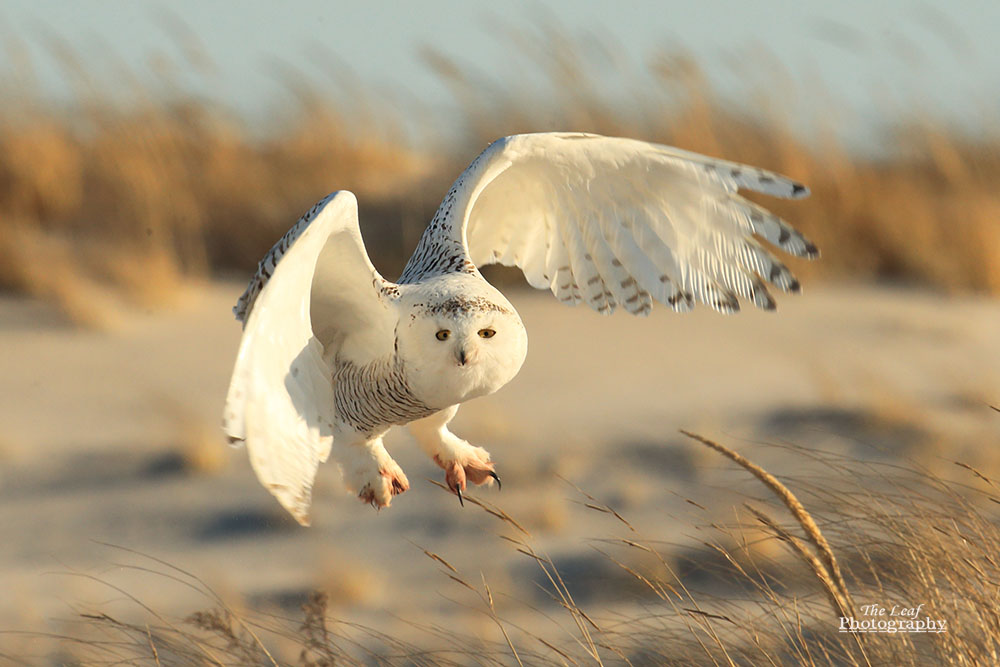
<point x="619" y="222"/>
<point x="315" y="295"/>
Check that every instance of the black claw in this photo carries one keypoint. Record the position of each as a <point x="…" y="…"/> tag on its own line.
<point x="458" y="492"/>
<point x="494" y="476"/>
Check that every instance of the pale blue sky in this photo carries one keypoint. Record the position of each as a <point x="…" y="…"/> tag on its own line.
<point x="880" y="58"/>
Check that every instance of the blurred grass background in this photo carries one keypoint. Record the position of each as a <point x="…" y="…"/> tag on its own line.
<point x="133" y="192"/>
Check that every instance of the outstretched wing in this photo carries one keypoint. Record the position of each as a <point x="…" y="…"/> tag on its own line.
<point x="619" y="222"/>
<point x="322" y="298"/>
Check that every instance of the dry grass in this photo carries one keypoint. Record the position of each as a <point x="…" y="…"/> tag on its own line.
<point x="124" y="197"/>
<point x="125" y="200"/>
<point x="867" y="534"/>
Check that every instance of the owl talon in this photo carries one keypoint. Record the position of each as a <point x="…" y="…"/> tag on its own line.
<point x="494" y="476"/>
<point x="458" y="492"/>
<point x="377" y="478"/>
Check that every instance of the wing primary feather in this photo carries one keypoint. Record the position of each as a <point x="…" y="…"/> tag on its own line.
<point x="619" y="222"/>
<point x="770" y="227"/>
<point x="736" y="175"/>
<point x="614" y="280"/>
<point x="662" y="256"/>
<point x="614" y="261"/>
<point x="557" y="264"/>
<point x="581" y="270"/>
<point x="645" y="274"/>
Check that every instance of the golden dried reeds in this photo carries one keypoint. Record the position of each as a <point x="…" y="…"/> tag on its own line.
<point x="125" y="199"/>
<point x="894" y="536"/>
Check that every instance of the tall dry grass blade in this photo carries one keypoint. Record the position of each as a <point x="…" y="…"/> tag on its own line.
<point x="201" y="647"/>
<point x="837" y="602"/>
<point x="487" y="507"/>
<point x="461" y="582"/>
<point x="565" y="656"/>
<point x="595" y="505"/>
<point x="201" y="587"/>
<point x="152" y="646"/>
<point x="434" y="556"/>
<point x="646" y="582"/>
<point x="795" y="507"/>
<point x="976" y="473"/>
<point x="496" y="619"/>
<point x="563" y="596"/>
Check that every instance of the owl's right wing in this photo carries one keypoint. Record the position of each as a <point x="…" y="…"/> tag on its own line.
<point x="612" y="222"/>
<point x="315" y="295"/>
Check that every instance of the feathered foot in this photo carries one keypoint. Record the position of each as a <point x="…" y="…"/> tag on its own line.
<point x="376" y="478"/>
<point x="472" y="464"/>
<point x="462" y="462"/>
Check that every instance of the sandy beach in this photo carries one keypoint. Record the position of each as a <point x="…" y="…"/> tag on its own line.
<point x="111" y="438"/>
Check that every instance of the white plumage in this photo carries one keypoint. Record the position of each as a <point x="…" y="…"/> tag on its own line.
<point x="333" y="354"/>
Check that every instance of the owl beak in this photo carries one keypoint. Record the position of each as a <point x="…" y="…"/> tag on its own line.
<point x="465" y="357"/>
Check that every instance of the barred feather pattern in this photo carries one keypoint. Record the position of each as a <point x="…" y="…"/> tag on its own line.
<point x="437" y="253"/>
<point x="266" y="266"/>
<point x="371" y="397"/>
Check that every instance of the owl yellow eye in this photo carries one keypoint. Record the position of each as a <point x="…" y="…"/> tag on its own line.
<point x="487" y="333"/>
<point x="443" y="334"/>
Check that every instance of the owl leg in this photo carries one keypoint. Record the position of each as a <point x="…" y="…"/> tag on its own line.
<point x="370" y="472"/>
<point x="461" y="461"/>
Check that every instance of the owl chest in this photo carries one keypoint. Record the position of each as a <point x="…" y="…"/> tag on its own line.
<point x="373" y="396"/>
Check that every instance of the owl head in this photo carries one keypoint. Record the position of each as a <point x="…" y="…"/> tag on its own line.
<point x="457" y="344"/>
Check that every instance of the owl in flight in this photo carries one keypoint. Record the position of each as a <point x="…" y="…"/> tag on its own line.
<point x="333" y="355"/>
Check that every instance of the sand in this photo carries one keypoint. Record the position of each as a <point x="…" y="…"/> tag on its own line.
<point x="112" y="438"/>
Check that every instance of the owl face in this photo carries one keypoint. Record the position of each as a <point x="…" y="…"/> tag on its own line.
<point x="458" y="348"/>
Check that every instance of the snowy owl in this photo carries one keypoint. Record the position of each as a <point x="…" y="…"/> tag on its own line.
<point x="333" y="355"/>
